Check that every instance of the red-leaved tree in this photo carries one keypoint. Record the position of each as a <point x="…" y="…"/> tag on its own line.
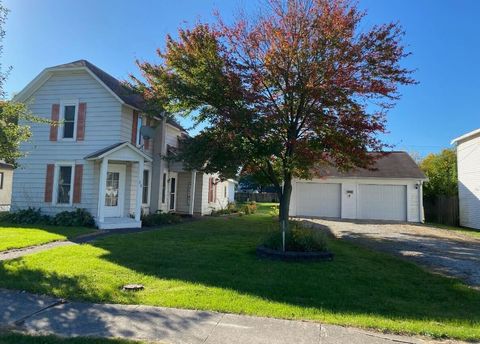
<point x="297" y="86"/>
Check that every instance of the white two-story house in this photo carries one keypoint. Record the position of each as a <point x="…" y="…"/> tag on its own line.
<point x="468" y="166"/>
<point x="99" y="158"/>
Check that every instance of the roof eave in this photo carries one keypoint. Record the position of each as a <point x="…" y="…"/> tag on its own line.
<point x="466" y="136"/>
<point x="113" y="150"/>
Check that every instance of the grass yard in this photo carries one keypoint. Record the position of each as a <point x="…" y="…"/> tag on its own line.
<point x="18" y="237"/>
<point x="211" y="265"/>
<point x="18" y="338"/>
<point x="474" y="233"/>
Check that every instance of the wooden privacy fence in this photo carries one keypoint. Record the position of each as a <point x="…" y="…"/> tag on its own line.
<point x="442" y="209"/>
<point x="257" y="197"/>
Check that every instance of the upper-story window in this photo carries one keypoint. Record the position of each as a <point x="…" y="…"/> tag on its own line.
<point x="139" y="134"/>
<point x="68" y="118"/>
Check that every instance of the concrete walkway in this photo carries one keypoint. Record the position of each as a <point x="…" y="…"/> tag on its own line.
<point x="46" y="315"/>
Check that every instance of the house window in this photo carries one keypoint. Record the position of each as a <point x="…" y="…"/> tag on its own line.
<point x="64" y="184"/>
<point x="164" y="185"/>
<point x="225" y="191"/>
<point x="146" y="181"/>
<point x="139" y="134"/>
<point x="69" y="120"/>
<point x="1" y="180"/>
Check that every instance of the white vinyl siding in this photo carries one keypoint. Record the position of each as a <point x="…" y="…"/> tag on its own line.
<point x="382" y="202"/>
<point x="172" y="136"/>
<point x="468" y="157"/>
<point x="323" y="200"/>
<point x="102" y="129"/>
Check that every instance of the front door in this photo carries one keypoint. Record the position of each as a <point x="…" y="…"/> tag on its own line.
<point x="172" y="202"/>
<point x="115" y="191"/>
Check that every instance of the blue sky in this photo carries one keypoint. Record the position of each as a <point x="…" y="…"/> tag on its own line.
<point x="442" y="35"/>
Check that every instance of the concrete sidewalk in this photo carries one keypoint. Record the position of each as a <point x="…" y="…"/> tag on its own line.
<point x="47" y="315"/>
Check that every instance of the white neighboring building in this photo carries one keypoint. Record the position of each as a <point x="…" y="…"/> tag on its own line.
<point x="468" y="165"/>
<point x="391" y="190"/>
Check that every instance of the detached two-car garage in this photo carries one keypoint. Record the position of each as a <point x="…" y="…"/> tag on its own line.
<point x="391" y="191"/>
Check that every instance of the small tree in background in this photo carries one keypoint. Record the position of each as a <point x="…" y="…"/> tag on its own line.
<point x="441" y="171"/>
<point x="299" y="85"/>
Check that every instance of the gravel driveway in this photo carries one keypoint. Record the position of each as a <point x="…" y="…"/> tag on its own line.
<point x="438" y="249"/>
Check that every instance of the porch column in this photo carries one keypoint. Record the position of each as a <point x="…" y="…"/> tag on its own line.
<point x="102" y="181"/>
<point x="138" y="204"/>
<point x="192" y="191"/>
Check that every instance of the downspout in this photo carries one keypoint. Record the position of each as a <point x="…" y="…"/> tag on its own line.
<point x="421" y="212"/>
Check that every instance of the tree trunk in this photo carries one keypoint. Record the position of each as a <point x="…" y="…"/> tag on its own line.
<point x="285" y="202"/>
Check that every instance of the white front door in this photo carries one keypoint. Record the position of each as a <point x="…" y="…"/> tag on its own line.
<point x="115" y="191"/>
<point x="172" y="192"/>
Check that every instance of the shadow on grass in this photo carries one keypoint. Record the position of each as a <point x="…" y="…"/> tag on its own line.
<point x="81" y="319"/>
<point x="449" y="255"/>
<point x="220" y="253"/>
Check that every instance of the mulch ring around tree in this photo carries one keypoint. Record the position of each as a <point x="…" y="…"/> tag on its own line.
<point x="265" y="252"/>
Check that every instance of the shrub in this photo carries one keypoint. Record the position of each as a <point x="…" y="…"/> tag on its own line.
<point x="28" y="216"/>
<point x="76" y="218"/>
<point x="250" y="208"/>
<point x="274" y="211"/>
<point x="159" y="218"/>
<point x="34" y="216"/>
<point x="231" y="208"/>
<point x="298" y="239"/>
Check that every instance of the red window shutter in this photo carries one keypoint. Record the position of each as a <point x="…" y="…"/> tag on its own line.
<point x="49" y="183"/>
<point x="54" y="118"/>
<point x="77" y="184"/>
<point x="214" y="190"/>
<point x="82" y="114"/>
<point x="210" y="190"/>
<point x="146" y="142"/>
<point x="134" y="128"/>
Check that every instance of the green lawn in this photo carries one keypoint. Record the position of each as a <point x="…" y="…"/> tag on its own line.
<point x="18" y="338"/>
<point x="17" y="237"/>
<point x="211" y="265"/>
<point x="474" y="233"/>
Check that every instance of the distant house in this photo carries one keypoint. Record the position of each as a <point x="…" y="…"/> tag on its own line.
<point x="106" y="155"/>
<point x="391" y="190"/>
<point x="468" y="165"/>
<point x="6" y="174"/>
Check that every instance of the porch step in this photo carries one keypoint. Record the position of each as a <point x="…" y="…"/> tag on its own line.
<point x="119" y="222"/>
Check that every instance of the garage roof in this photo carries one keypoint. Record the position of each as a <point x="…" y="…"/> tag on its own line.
<point x="388" y="165"/>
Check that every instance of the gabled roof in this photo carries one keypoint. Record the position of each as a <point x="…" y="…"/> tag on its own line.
<point x="389" y="165"/>
<point x="113" y="85"/>
<point x="466" y="136"/>
<point x="100" y="154"/>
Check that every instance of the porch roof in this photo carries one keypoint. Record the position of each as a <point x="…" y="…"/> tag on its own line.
<point x="104" y="152"/>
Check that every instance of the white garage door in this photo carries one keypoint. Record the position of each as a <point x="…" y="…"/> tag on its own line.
<point x="315" y="199"/>
<point x="382" y="202"/>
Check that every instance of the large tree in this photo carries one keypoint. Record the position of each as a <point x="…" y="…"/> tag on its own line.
<point x="303" y="83"/>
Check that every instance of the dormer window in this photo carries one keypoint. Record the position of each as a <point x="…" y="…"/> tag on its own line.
<point x="68" y="118"/>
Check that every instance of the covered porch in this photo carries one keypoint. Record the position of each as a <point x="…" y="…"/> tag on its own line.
<point x="185" y="188"/>
<point x="120" y="185"/>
